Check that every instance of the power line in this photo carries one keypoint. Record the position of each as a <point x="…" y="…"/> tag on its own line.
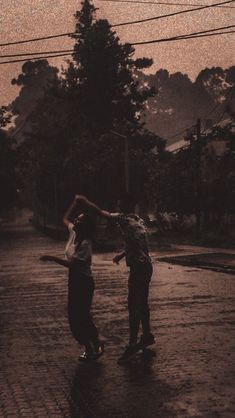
<point x="212" y="111"/>
<point x="185" y="36"/>
<point x="42" y="38"/>
<point x="116" y="25"/>
<point x="179" y="133"/>
<point x="204" y="31"/>
<point x="161" y="3"/>
<point x="71" y="52"/>
<point x="192" y="126"/>
<point x="36" y="53"/>
<point x="192" y="35"/>
<point x="36" y="58"/>
<point x="226" y="103"/>
<point x="171" y="14"/>
<point x="181" y="38"/>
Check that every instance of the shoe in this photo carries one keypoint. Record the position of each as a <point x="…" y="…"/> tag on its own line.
<point x="129" y="352"/>
<point x="99" y="351"/>
<point x="86" y="356"/>
<point x="146" y="340"/>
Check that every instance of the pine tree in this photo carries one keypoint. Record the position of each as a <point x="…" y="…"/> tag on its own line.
<point x="97" y="92"/>
<point x="108" y="94"/>
<point x="103" y="85"/>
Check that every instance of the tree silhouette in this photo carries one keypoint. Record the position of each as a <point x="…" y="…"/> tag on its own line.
<point x="70" y="147"/>
<point x="180" y="101"/>
<point x="107" y="92"/>
<point x="34" y="80"/>
<point x="8" y="181"/>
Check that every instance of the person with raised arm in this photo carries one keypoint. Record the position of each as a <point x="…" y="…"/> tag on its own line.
<point x="139" y="262"/>
<point x="78" y="258"/>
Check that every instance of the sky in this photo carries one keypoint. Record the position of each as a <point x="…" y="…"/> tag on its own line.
<point x="34" y="18"/>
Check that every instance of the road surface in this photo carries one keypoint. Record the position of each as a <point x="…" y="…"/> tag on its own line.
<point x="193" y="318"/>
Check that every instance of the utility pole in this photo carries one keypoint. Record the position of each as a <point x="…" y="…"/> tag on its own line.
<point x="198" y="126"/>
<point x="198" y="174"/>
<point x="126" y="160"/>
<point x="126" y="166"/>
<point x="56" y="203"/>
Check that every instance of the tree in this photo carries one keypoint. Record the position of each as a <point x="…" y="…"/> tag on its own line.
<point x="219" y="84"/>
<point x="35" y="78"/>
<point x="8" y="183"/>
<point x="180" y="101"/>
<point x="219" y="176"/>
<point x="213" y="80"/>
<point x="5" y="116"/>
<point x="177" y="105"/>
<point x="108" y="97"/>
<point x="70" y="146"/>
<point x="107" y="92"/>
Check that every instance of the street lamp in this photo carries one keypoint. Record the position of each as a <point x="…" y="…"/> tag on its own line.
<point x="126" y="160"/>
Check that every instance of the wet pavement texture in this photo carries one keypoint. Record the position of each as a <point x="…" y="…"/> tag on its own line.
<point x="193" y="319"/>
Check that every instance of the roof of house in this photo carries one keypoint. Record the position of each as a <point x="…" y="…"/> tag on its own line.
<point x="177" y="145"/>
<point x="182" y="143"/>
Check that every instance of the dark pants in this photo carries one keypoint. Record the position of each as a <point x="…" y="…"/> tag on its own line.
<point x="138" y="285"/>
<point x="80" y="293"/>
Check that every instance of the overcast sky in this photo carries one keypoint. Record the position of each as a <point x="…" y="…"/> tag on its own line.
<point x="33" y="18"/>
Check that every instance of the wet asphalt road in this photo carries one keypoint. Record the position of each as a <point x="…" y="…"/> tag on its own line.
<point x="193" y="318"/>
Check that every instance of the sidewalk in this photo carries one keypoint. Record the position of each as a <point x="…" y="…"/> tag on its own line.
<point x="193" y="318"/>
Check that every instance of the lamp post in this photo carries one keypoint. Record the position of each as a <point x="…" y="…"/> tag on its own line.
<point x="126" y="160"/>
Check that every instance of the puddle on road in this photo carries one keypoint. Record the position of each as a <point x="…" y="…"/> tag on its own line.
<point x="221" y="262"/>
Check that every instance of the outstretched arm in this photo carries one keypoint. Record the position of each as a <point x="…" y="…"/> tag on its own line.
<point x="119" y="257"/>
<point x="57" y="260"/>
<point x="90" y="205"/>
<point x="83" y="201"/>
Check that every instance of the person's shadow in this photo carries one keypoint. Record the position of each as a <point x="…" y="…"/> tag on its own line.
<point x="145" y="393"/>
<point x="102" y="389"/>
<point x="83" y="399"/>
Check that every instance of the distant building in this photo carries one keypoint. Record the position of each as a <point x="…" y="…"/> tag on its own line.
<point x="217" y="145"/>
<point x="212" y="145"/>
<point x="177" y="146"/>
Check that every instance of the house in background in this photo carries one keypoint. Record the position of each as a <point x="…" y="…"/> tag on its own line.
<point x="216" y="145"/>
<point x="213" y="162"/>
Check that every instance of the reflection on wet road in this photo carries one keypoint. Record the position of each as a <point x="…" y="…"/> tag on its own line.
<point x="193" y="318"/>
